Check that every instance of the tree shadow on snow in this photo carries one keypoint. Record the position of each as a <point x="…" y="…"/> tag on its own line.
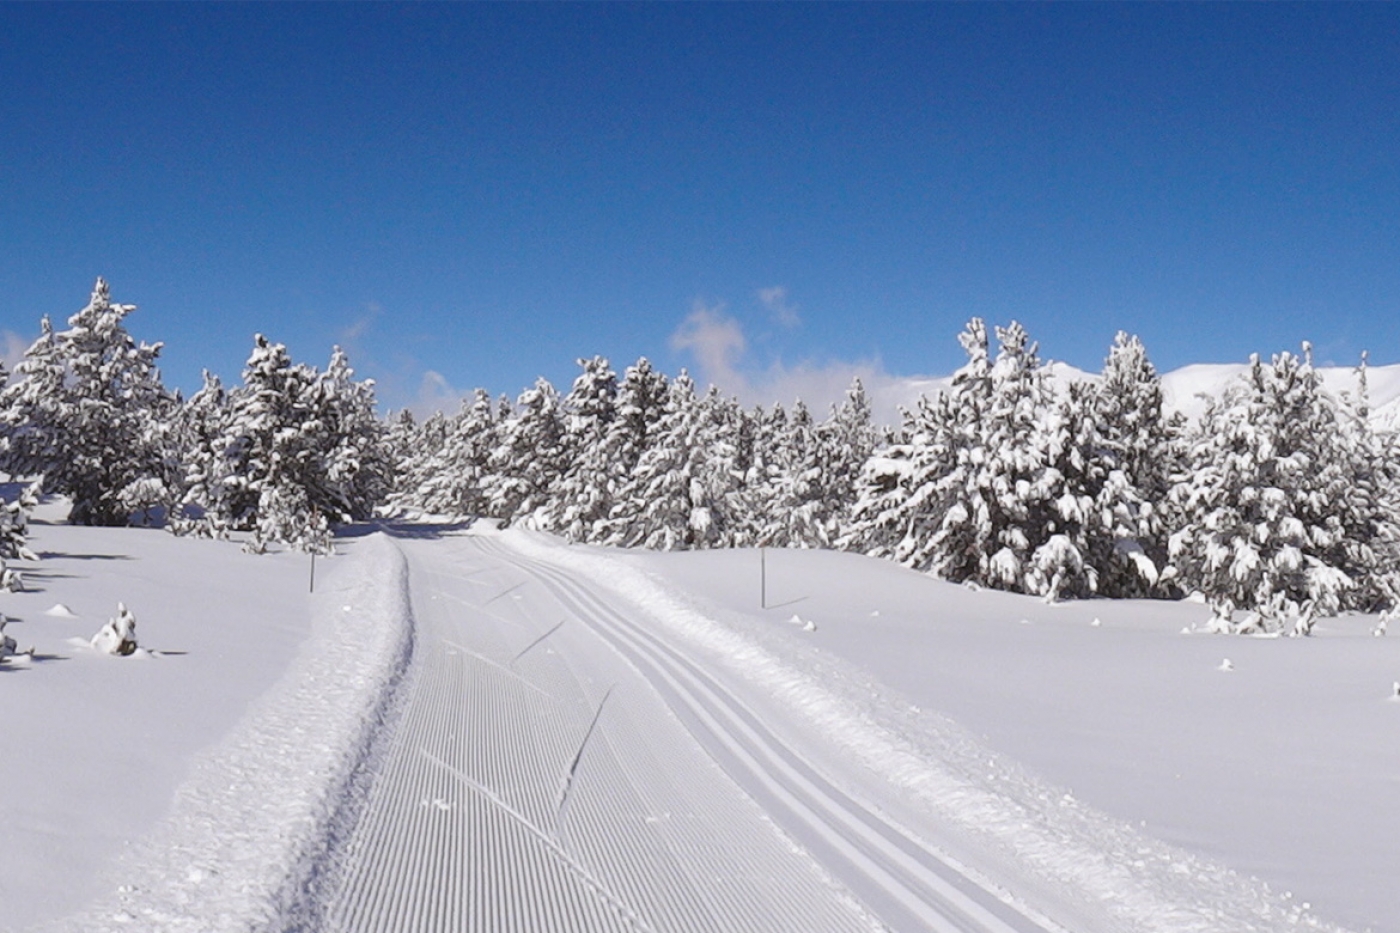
<point x="59" y="555"/>
<point x="28" y="662"/>
<point x="402" y="529"/>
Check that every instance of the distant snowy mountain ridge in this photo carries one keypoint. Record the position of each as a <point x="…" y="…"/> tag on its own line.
<point x="1189" y="388"/>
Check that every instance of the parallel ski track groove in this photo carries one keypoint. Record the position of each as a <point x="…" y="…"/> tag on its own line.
<point x="922" y="890"/>
<point x="428" y="836"/>
<point x="462" y="828"/>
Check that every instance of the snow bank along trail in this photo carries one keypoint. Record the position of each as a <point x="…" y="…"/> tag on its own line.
<point x="257" y="808"/>
<point x="533" y="780"/>
<point x="1031" y="843"/>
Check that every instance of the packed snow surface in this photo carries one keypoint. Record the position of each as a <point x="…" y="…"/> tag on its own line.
<point x="465" y="729"/>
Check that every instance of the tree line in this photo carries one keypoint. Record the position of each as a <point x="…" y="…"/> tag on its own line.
<point x="1279" y="505"/>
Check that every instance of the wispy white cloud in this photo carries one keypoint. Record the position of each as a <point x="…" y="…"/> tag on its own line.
<point x="435" y="394"/>
<point x="714" y="339"/>
<point x="775" y="299"/>
<point x="350" y="334"/>
<point x="12" y="347"/>
<point x="718" y="348"/>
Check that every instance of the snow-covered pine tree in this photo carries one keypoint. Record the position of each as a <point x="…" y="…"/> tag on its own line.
<point x="682" y="493"/>
<point x="641" y="405"/>
<point x="529" y="456"/>
<point x="353" y="471"/>
<point x="1144" y="442"/>
<point x="417" y="450"/>
<point x="895" y="513"/>
<point x="848" y="438"/>
<point x="202" y="423"/>
<point x="583" y="496"/>
<point x="288" y="453"/>
<point x="1287" y="518"/>
<point x="766" y="473"/>
<point x="83" y="412"/>
<point x="452" y="475"/>
<point x="996" y="482"/>
<point x="795" y="504"/>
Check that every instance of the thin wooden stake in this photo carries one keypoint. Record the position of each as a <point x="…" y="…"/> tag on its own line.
<point x="313" y="571"/>
<point x="763" y="578"/>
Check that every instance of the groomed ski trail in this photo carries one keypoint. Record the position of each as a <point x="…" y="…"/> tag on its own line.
<point x="535" y="780"/>
<point x="906" y="884"/>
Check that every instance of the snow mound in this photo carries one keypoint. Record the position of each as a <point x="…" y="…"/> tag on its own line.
<point x="258" y="808"/>
<point x="60" y="611"/>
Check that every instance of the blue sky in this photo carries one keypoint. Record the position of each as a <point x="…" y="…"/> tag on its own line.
<point x="774" y="195"/>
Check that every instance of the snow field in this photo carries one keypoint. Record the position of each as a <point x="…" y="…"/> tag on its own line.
<point x="1088" y="870"/>
<point x="254" y="810"/>
<point x="535" y="781"/>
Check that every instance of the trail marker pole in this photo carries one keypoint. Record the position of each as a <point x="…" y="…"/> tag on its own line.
<point x="313" y="572"/>
<point x="763" y="578"/>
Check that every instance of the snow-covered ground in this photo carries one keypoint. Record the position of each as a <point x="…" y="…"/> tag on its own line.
<point x="1282" y="768"/>
<point x="872" y="732"/>
<point x="180" y="788"/>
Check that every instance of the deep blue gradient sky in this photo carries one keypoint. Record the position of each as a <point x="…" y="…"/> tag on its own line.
<point x="488" y="192"/>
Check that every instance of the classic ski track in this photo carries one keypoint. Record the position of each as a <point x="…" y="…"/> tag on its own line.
<point x="464" y="827"/>
<point x="918" y="889"/>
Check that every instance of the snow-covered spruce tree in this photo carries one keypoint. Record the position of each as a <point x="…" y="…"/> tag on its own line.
<point x="416" y="450"/>
<point x="1288" y="514"/>
<point x="998" y="481"/>
<point x="14" y="536"/>
<point x="450" y="476"/>
<point x="84" y="411"/>
<point x="299" y="451"/>
<point x="529" y="456"/>
<point x="583" y="496"/>
<point x="202" y="424"/>
<point x="356" y="469"/>
<point x="684" y="489"/>
<point x="1143" y="442"/>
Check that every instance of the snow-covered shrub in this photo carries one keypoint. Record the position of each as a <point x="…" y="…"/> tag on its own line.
<point x="118" y="636"/>
<point x="14" y="536"/>
<point x="85" y="411"/>
<point x="8" y="646"/>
